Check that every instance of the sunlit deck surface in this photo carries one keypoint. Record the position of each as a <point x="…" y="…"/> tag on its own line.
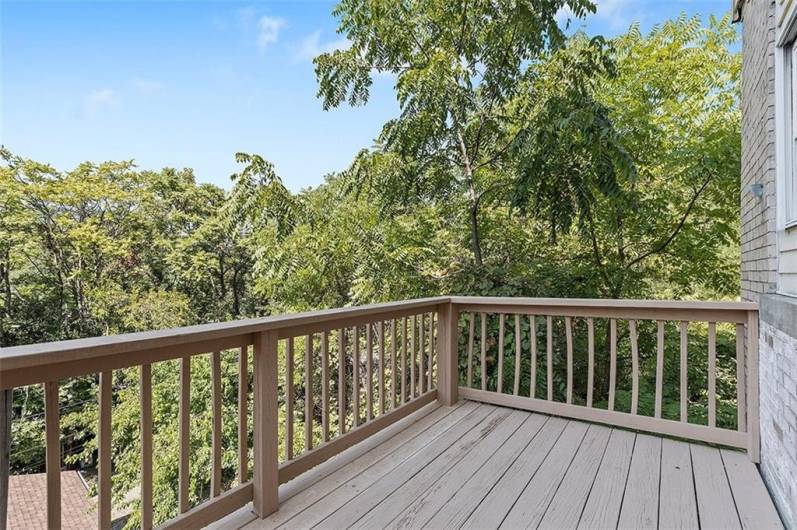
<point x="481" y="466"/>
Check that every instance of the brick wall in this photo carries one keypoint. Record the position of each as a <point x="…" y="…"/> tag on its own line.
<point x="759" y="250"/>
<point x="778" y="374"/>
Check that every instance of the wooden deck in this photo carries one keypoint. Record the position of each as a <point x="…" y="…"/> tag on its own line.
<point x="481" y="466"/>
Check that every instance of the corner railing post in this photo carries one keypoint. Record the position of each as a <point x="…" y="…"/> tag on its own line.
<point x="447" y="354"/>
<point x="266" y="466"/>
<point x="753" y="431"/>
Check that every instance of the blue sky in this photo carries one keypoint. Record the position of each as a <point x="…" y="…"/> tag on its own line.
<point x="188" y="84"/>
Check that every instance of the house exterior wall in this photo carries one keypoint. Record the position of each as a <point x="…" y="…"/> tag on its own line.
<point x="759" y="247"/>
<point x="766" y="248"/>
<point x="778" y="412"/>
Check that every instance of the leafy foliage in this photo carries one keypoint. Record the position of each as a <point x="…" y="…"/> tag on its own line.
<point x="457" y="74"/>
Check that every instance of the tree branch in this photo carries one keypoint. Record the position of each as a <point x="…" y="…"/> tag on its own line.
<point x="664" y="244"/>
<point x="596" y="252"/>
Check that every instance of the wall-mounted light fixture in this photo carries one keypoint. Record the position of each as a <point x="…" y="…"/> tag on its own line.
<point x="757" y="190"/>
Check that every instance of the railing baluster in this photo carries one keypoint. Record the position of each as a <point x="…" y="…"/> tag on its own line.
<point x="325" y="386"/>
<point x="471" y="331"/>
<point x="590" y="360"/>
<point x="243" y="410"/>
<point x="413" y="358"/>
<point x="215" y="375"/>
<point x="393" y="363"/>
<point x="289" y="399"/>
<point x="683" y="389"/>
<point x="341" y="381"/>
<point x="369" y="373"/>
<point x="484" y="350"/>
<point x="104" y="450"/>
<point x="659" y="365"/>
<point x="516" y="389"/>
<point x="500" y="384"/>
<point x="308" y="392"/>
<point x="429" y="373"/>
<point x="712" y="374"/>
<point x="612" y="361"/>
<point x="404" y="346"/>
<point x="185" y="433"/>
<point x="632" y="329"/>
<point x="741" y="386"/>
<point x="145" y="400"/>
<point x="355" y="377"/>
<point x="569" y="340"/>
<point x="52" y="430"/>
<point x="381" y="367"/>
<point x="533" y="343"/>
<point x="421" y="356"/>
<point x="549" y="357"/>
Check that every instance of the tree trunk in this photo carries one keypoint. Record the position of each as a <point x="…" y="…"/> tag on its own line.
<point x="222" y="284"/>
<point x="5" y="322"/>
<point x="475" y="240"/>
<point x="236" y="299"/>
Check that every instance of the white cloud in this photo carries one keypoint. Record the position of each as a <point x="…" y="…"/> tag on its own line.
<point x="268" y="30"/>
<point x="147" y="86"/>
<point x="98" y="100"/>
<point x="311" y="46"/>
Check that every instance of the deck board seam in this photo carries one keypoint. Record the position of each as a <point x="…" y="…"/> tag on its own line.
<point x="730" y="487"/>
<point x="542" y="462"/>
<point x="597" y="470"/>
<point x="527" y="418"/>
<point x="358" y="456"/>
<point x="384" y="457"/>
<point x="694" y="487"/>
<point x="487" y="493"/>
<point x="658" y="503"/>
<point x="477" y="506"/>
<point x="567" y="469"/>
<point x="403" y="461"/>
<point x="443" y="471"/>
<point x="625" y="484"/>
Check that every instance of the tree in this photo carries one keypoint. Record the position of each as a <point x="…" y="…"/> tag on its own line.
<point x="674" y="105"/>
<point x="457" y="67"/>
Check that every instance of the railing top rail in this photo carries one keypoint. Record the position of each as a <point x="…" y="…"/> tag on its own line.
<point x="605" y="303"/>
<point x="45" y="353"/>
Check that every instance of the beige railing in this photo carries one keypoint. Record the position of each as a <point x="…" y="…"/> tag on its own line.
<point x="385" y="361"/>
<point x="383" y="358"/>
<point x="616" y="316"/>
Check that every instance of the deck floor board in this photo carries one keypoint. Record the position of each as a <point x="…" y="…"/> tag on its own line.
<point x="482" y="466"/>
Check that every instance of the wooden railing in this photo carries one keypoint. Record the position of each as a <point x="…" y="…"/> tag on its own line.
<point x="374" y="365"/>
<point x="382" y="361"/>
<point x="540" y="322"/>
